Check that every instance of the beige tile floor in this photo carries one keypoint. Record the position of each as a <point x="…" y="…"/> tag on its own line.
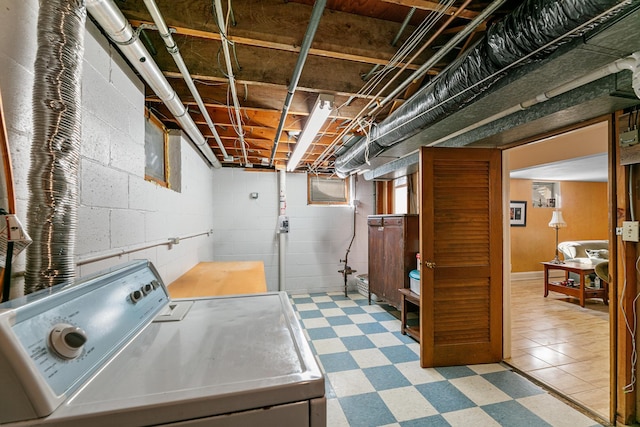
<point x="561" y="344"/>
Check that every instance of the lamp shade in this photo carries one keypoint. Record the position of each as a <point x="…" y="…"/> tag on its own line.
<point x="556" y="220"/>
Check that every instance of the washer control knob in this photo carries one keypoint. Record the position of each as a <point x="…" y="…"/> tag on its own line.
<point x="146" y="289"/>
<point x="67" y="340"/>
<point x="155" y="284"/>
<point x="136" y="295"/>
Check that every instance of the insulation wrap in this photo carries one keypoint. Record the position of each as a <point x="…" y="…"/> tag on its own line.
<point x="55" y="148"/>
<point x="532" y="26"/>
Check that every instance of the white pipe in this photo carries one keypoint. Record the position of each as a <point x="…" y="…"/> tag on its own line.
<point x="232" y="80"/>
<point x="113" y="22"/>
<point x="136" y="248"/>
<point x="631" y="62"/>
<point x="172" y="48"/>
<point x="282" y="241"/>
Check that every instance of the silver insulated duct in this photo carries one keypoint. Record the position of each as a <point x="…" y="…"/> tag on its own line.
<point x="55" y="149"/>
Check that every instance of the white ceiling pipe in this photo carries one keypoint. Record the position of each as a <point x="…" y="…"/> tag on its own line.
<point x="172" y="48"/>
<point x="232" y="80"/>
<point x="113" y="22"/>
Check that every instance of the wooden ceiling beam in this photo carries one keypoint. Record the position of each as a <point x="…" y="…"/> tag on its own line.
<point x="280" y="24"/>
<point x="454" y="30"/>
<point x="434" y="6"/>
<point x="378" y="59"/>
<point x="257" y="95"/>
<point x="260" y="100"/>
<point x="252" y="121"/>
<point x="328" y="75"/>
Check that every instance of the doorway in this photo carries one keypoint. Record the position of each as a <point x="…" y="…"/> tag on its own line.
<point x="554" y="340"/>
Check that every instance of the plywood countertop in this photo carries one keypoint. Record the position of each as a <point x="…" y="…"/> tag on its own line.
<point x="220" y="278"/>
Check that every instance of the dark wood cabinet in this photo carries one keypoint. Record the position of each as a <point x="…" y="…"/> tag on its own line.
<point x="393" y="244"/>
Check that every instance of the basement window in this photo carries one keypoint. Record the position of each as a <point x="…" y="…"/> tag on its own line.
<point x="327" y="190"/>
<point x="155" y="150"/>
<point x="400" y="195"/>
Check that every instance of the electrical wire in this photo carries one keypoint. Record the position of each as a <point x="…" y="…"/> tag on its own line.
<point x="232" y="119"/>
<point x="632" y="328"/>
<point x="362" y="113"/>
<point x="576" y="30"/>
<point x="406" y="48"/>
<point x="631" y="209"/>
<point x="570" y="33"/>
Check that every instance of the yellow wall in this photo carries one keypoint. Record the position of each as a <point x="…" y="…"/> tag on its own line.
<point x="584" y="209"/>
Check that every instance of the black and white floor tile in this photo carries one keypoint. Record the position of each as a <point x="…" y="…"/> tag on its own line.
<point x="373" y="375"/>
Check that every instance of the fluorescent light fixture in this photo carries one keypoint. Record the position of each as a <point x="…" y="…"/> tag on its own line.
<point x="321" y="110"/>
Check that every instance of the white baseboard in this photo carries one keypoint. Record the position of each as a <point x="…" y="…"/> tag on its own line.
<point x="527" y="275"/>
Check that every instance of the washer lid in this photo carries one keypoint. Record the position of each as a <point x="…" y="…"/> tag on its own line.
<point x="228" y="354"/>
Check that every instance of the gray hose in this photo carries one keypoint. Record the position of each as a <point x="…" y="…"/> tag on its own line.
<point x="55" y="149"/>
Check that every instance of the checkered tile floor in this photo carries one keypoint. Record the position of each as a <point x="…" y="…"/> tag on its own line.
<point x="373" y="375"/>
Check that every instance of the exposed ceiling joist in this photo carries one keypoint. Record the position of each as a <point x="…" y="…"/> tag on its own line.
<point x="433" y="6"/>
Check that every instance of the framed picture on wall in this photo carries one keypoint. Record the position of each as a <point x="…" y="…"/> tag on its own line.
<point x="518" y="213"/>
<point x="545" y="194"/>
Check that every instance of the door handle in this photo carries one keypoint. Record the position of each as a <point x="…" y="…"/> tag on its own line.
<point x="430" y="264"/>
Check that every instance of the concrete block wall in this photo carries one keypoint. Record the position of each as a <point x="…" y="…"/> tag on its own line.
<point x="246" y="229"/>
<point x="119" y="210"/>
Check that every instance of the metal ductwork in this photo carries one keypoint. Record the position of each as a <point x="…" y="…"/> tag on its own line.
<point x="113" y="22"/>
<point x="55" y="149"/>
<point x="529" y="35"/>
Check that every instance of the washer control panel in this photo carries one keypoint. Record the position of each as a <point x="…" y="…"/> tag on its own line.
<point x="69" y="332"/>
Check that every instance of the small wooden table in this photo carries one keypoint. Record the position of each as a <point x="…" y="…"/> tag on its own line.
<point x="220" y="278"/>
<point x="579" y="291"/>
<point x="408" y="297"/>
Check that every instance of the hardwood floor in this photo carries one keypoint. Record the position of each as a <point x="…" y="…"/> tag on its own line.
<point x="561" y="344"/>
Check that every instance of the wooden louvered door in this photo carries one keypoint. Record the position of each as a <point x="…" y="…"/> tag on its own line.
<point x="461" y="255"/>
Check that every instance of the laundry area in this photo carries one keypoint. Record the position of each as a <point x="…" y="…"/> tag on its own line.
<point x="221" y="213"/>
<point x="116" y="350"/>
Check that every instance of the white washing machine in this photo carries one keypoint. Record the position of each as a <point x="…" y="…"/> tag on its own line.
<point x="114" y="349"/>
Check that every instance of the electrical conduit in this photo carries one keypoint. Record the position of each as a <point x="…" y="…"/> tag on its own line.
<point x="282" y="241"/>
<point x="173" y="50"/>
<point x="230" y="76"/>
<point x="316" y="14"/>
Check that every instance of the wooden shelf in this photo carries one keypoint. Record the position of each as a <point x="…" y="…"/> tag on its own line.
<point x="408" y="297"/>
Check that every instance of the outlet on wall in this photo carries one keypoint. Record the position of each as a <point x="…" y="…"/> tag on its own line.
<point x="630" y="231"/>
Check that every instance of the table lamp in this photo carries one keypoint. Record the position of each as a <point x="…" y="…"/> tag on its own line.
<point x="557" y="222"/>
